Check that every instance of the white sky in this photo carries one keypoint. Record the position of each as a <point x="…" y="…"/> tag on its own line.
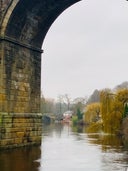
<point x="86" y="48"/>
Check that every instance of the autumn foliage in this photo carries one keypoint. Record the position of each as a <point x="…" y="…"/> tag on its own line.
<point x="92" y="113"/>
<point x="109" y="112"/>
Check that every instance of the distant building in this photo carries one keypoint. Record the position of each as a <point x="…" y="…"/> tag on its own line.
<point x="67" y="116"/>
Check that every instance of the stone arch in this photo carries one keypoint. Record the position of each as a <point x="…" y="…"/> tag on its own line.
<point x="23" y="26"/>
<point x="28" y="21"/>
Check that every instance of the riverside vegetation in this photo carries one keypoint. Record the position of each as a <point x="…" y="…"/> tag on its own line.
<point x="107" y="115"/>
<point x="104" y="111"/>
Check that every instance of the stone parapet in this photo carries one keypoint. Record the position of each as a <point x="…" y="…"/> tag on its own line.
<point x="18" y="130"/>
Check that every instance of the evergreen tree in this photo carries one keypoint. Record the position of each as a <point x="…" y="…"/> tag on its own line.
<point x="79" y="114"/>
<point x="125" y="110"/>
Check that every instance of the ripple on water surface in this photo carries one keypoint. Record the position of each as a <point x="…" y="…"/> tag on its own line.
<point x="65" y="149"/>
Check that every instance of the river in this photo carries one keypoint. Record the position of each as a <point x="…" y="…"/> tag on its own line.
<point x="68" y="149"/>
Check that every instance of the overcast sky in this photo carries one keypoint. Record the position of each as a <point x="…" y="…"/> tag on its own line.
<point x="86" y="48"/>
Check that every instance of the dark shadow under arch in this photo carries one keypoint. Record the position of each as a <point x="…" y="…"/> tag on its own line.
<point x="30" y="20"/>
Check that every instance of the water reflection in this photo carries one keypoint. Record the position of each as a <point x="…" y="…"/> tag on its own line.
<point x="68" y="148"/>
<point x="50" y="130"/>
<point x="25" y="159"/>
<point x="114" y="153"/>
<point x="106" y="141"/>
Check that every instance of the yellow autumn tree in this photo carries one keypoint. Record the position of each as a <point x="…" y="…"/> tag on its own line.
<point x="108" y="114"/>
<point x="92" y="117"/>
<point x="122" y="99"/>
<point x="112" y="109"/>
<point x="106" y="100"/>
<point x="92" y="113"/>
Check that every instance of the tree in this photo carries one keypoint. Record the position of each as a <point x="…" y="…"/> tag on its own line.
<point x="122" y="97"/>
<point x="95" y="97"/>
<point x="79" y="114"/>
<point x="92" y="113"/>
<point x="60" y="100"/>
<point x="79" y="103"/>
<point x="47" y="105"/>
<point x="107" y="99"/>
<point x="121" y="86"/>
<point x="67" y="100"/>
<point x="112" y="109"/>
<point x="125" y="110"/>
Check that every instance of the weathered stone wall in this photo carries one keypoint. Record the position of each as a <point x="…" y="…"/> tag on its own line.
<point x="20" y="123"/>
<point x="23" y="27"/>
<point x="18" y="130"/>
<point x="2" y="92"/>
<point x="20" y="79"/>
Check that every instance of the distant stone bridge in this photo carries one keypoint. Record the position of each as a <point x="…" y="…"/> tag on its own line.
<point x="23" y="27"/>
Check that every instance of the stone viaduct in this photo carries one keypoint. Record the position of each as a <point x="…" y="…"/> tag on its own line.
<point x="23" y="26"/>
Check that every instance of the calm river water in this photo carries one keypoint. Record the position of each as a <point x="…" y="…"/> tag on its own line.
<point x="68" y="149"/>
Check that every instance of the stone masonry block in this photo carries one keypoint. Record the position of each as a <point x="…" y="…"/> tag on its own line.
<point x="20" y="134"/>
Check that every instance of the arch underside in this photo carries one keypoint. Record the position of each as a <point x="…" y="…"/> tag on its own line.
<point x="31" y="19"/>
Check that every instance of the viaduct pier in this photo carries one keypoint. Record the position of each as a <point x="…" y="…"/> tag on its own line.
<point x="23" y="27"/>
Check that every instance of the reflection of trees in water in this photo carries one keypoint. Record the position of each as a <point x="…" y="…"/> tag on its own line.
<point x="23" y="159"/>
<point x="114" y="154"/>
<point x="77" y="128"/>
<point x="106" y="141"/>
<point x="51" y="129"/>
<point x="114" y="161"/>
<point x="126" y="168"/>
